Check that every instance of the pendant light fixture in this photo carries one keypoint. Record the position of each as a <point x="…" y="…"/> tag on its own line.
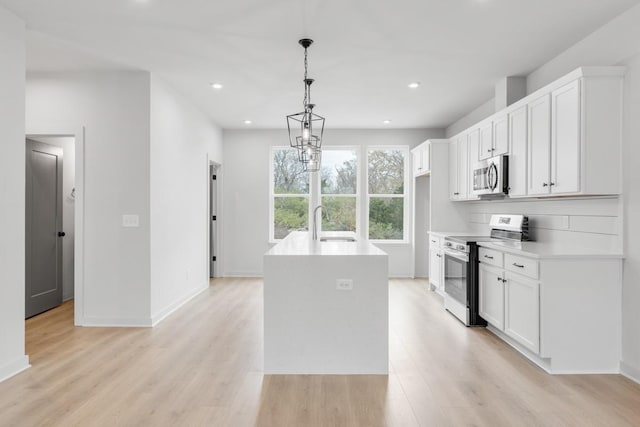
<point x="306" y="128"/>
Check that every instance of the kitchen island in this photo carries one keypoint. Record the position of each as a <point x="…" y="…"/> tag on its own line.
<point x="326" y="307"/>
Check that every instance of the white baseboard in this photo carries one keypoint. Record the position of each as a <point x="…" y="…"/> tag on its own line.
<point x="171" y="308"/>
<point x="14" y="367"/>
<point x="252" y="275"/>
<point x="114" y="322"/>
<point x="630" y="372"/>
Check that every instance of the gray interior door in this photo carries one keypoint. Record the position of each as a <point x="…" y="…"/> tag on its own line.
<point x="43" y="239"/>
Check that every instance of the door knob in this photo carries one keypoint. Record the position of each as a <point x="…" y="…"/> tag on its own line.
<point x="61" y="234"/>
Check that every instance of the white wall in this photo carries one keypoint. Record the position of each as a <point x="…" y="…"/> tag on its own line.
<point x="67" y="144"/>
<point x="246" y="192"/>
<point x="183" y="140"/>
<point x="12" y="178"/>
<point x="113" y="107"/>
<point x="482" y="112"/>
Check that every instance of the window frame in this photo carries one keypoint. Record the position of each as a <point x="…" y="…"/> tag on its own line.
<point x="358" y="193"/>
<point x="273" y="195"/>
<point x="405" y="194"/>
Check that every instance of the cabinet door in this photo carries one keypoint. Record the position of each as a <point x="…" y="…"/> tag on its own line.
<point x="491" y="296"/>
<point x="501" y="135"/>
<point x="473" y="142"/>
<point x="522" y="311"/>
<point x="539" y="112"/>
<point x="463" y="169"/>
<point x="565" y="139"/>
<point x="518" y="152"/>
<point x="454" y="194"/>
<point x="486" y="141"/>
<point x="416" y="160"/>
<point x="435" y="268"/>
<point x="426" y="158"/>
<point x="473" y="139"/>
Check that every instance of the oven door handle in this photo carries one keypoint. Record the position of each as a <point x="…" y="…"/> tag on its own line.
<point x="458" y="256"/>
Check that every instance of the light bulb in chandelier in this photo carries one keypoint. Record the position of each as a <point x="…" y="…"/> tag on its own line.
<point x="306" y="133"/>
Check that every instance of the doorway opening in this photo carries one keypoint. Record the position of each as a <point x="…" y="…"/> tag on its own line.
<point x="214" y="220"/>
<point x="50" y="222"/>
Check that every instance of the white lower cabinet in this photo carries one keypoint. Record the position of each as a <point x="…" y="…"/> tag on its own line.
<point x="491" y="295"/>
<point x="562" y="311"/>
<point x="522" y="310"/>
<point x="511" y="303"/>
<point x="436" y="268"/>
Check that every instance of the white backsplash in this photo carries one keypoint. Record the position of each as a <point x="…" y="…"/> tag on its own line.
<point x="590" y="222"/>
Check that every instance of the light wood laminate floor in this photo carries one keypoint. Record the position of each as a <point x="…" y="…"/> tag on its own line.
<point x="203" y="366"/>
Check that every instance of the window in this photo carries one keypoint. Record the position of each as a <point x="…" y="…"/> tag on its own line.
<point x="386" y="198"/>
<point x="339" y="189"/>
<point x="289" y="193"/>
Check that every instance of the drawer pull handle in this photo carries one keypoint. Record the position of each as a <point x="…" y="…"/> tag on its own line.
<point x="518" y="265"/>
<point x="500" y="279"/>
<point x="488" y="257"/>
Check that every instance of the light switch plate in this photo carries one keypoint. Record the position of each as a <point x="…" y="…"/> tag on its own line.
<point x="130" y="221"/>
<point x="344" y="284"/>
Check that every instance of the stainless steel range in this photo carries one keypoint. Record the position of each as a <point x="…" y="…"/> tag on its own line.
<point x="461" y="265"/>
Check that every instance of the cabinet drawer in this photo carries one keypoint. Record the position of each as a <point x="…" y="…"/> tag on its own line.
<point x="435" y="242"/>
<point x="489" y="256"/>
<point x="525" y="266"/>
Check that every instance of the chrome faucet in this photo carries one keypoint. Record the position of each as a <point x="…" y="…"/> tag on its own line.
<point x="315" y="220"/>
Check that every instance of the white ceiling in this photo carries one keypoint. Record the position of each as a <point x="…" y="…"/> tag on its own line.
<point x="365" y="54"/>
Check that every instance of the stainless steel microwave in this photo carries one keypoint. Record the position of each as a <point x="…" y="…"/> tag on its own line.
<point x="491" y="177"/>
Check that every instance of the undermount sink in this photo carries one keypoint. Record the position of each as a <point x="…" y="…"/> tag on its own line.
<point x="337" y="239"/>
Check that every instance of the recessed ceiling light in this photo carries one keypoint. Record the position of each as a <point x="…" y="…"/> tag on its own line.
<point x="247" y="122"/>
<point x="386" y="122"/>
<point x="217" y="86"/>
<point x="414" y="85"/>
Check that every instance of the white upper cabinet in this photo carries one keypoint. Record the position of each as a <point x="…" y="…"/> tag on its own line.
<point x="562" y="140"/>
<point x="518" y="152"/>
<point x="494" y="137"/>
<point x="463" y="169"/>
<point x="539" y="145"/>
<point x="486" y="140"/>
<point x="454" y="192"/>
<point x="459" y="168"/>
<point x="565" y="139"/>
<point x="473" y="141"/>
<point x="421" y="160"/>
<point x="500" y="135"/>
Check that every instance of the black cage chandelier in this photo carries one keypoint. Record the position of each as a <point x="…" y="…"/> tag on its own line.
<point x="306" y="128"/>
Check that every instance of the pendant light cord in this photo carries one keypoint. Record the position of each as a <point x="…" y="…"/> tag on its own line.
<point x="307" y="94"/>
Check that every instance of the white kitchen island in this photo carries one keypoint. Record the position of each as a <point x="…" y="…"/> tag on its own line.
<point x="326" y="307"/>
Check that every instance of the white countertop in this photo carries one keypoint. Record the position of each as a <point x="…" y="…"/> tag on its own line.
<point x="453" y="233"/>
<point x="300" y="243"/>
<point x="541" y="250"/>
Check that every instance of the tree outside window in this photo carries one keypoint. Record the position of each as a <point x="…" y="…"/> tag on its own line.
<point x="386" y="193"/>
<point x="289" y="192"/>
<point x="339" y="189"/>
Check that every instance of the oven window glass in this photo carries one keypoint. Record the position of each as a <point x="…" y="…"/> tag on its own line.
<point x="455" y="279"/>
